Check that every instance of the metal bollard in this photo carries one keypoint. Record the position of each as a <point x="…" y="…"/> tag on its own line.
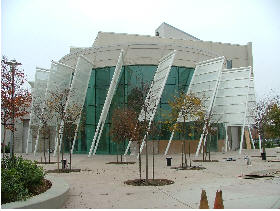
<point x="63" y="162"/>
<point x="168" y="160"/>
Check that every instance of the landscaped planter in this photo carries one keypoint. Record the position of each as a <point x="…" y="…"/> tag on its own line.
<point x="53" y="198"/>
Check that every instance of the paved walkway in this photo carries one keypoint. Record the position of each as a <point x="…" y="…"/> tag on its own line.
<point x="101" y="185"/>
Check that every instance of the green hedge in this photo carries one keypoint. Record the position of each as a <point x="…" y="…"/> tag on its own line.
<point x="19" y="178"/>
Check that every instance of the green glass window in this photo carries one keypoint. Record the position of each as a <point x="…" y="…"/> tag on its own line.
<point x="131" y="76"/>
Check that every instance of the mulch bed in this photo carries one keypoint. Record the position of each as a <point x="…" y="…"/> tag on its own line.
<point x="189" y="168"/>
<point x="256" y="176"/>
<point x="205" y="160"/>
<point x="259" y="156"/>
<point x="120" y="163"/>
<point x="63" y="170"/>
<point x="263" y="174"/>
<point x="151" y="182"/>
<point x="42" y="188"/>
<point x="52" y="162"/>
<point x="273" y="161"/>
<point x="229" y="159"/>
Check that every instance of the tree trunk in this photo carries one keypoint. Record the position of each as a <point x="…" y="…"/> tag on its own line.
<point x="12" y="153"/>
<point x="185" y="136"/>
<point x="153" y="159"/>
<point x="190" y="154"/>
<point x="45" y="149"/>
<point x="209" y="145"/>
<point x="58" y="154"/>
<point x="62" y="151"/>
<point x="203" y="148"/>
<point x="139" y="161"/>
<point x="185" y="154"/>
<point x="70" y="164"/>
<point x="70" y="154"/>
<point x="117" y="153"/>
<point x="147" y="165"/>
<point x="123" y="149"/>
<point x="49" y="146"/>
<point x="4" y="142"/>
<point x="263" y="146"/>
<point x="182" y="154"/>
<point x="58" y="151"/>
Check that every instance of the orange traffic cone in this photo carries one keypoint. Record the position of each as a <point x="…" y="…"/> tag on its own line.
<point x="218" y="204"/>
<point x="203" y="201"/>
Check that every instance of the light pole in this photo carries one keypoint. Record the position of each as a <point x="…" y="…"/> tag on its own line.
<point x="13" y="64"/>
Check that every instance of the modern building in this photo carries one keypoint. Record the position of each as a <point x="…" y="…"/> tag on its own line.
<point x="141" y="57"/>
<point x="20" y="134"/>
<point x="142" y="54"/>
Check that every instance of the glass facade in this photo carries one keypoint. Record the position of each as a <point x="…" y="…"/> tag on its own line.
<point x="131" y="76"/>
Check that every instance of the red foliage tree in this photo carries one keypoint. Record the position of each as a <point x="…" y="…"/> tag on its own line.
<point x="15" y="100"/>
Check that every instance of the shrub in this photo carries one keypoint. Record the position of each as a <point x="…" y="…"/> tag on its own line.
<point x="12" y="188"/>
<point x="19" y="178"/>
<point x="7" y="148"/>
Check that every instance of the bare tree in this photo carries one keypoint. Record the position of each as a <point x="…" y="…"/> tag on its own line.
<point x="43" y="116"/>
<point x="56" y="104"/>
<point x="66" y="116"/>
<point x="70" y="124"/>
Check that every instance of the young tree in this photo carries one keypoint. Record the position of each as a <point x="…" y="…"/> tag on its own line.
<point x="267" y="117"/>
<point x="206" y="125"/>
<point x="43" y="117"/>
<point x="66" y="115"/>
<point x="56" y="104"/>
<point x="139" y="100"/>
<point x="153" y="133"/>
<point x="188" y="107"/>
<point x="125" y="125"/>
<point x="69" y="129"/>
<point x="137" y="131"/>
<point x="15" y="100"/>
<point x="122" y="120"/>
<point x="120" y="126"/>
<point x="273" y="116"/>
<point x="272" y="128"/>
<point x="260" y="119"/>
<point x="135" y="99"/>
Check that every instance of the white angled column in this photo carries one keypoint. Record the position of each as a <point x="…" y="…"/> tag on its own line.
<point x="107" y="103"/>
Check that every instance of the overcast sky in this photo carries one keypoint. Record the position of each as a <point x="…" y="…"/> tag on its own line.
<point x="34" y="32"/>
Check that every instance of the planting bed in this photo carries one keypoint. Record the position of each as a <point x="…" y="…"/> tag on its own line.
<point x="63" y="170"/>
<point x="120" y="163"/>
<point x="150" y="182"/>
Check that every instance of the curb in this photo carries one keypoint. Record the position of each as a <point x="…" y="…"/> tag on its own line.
<point x="53" y="198"/>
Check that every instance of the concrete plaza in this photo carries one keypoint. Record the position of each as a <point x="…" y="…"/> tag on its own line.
<point x="101" y="185"/>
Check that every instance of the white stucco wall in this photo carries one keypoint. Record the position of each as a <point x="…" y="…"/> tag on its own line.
<point x="167" y="31"/>
<point x="149" y="49"/>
